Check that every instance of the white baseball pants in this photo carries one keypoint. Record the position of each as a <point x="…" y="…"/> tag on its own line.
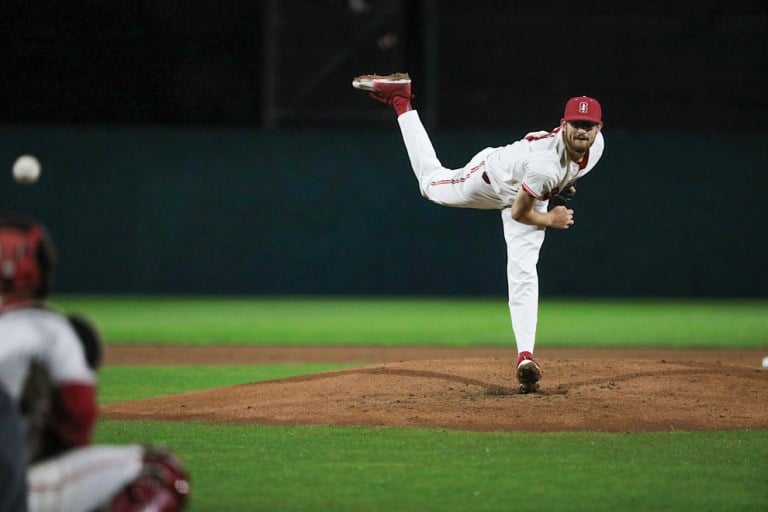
<point x="469" y="187"/>
<point x="82" y="479"/>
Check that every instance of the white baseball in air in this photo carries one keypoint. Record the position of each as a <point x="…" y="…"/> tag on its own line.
<point x="765" y="362"/>
<point x="26" y="169"/>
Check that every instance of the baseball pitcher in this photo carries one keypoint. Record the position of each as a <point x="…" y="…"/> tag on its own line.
<point x="519" y="179"/>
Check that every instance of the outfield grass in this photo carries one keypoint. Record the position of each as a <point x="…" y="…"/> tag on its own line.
<point x="255" y="468"/>
<point x="258" y="467"/>
<point x="393" y="321"/>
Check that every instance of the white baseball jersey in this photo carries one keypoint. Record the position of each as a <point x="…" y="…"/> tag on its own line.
<point x="28" y="334"/>
<point x="492" y="177"/>
<point x="538" y="163"/>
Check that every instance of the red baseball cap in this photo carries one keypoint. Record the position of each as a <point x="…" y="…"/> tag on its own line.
<point x="583" y="108"/>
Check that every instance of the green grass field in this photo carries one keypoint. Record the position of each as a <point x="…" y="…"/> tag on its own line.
<point x="394" y="321"/>
<point x="258" y="467"/>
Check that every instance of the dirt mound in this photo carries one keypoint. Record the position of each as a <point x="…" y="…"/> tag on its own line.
<point x="479" y="394"/>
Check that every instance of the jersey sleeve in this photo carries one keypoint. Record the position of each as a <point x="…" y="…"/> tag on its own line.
<point x="74" y="408"/>
<point x="66" y="358"/>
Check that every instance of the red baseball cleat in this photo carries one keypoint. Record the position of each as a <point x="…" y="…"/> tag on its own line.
<point x="394" y="89"/>
<point x="528" y="373"/>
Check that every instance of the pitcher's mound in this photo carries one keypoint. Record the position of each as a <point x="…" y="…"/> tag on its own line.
<point x="481" y="394"/>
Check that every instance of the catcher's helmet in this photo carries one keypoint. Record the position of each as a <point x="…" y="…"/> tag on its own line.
<point x="28" y="256"/>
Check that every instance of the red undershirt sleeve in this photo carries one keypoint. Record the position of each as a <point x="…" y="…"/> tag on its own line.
<point x="74" y="412"/>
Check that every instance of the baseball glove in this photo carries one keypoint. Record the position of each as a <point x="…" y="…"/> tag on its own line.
<point x="562" y="196"/>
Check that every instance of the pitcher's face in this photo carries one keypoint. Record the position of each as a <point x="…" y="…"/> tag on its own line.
<point x="579" y="135"/>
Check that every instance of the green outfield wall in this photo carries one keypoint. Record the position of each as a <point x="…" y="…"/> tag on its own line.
<point x="328" y="211"/>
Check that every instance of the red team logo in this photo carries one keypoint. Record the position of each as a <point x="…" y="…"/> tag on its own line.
<point x="583" y="107"/>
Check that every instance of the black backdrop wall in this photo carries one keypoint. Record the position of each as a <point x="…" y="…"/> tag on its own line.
<point x="221" y="149"/>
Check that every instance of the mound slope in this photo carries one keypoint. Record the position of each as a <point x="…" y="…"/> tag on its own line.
<point x="479" y="394"/>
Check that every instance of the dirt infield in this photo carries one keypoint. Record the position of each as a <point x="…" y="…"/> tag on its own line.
<point x="604" y="390"/>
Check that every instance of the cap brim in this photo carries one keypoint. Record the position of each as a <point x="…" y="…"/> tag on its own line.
<point x="583" y="118"/>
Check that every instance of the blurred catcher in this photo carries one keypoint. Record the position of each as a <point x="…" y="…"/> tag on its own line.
<point x="48" y="364"/>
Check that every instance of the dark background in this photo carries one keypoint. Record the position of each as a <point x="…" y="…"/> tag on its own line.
<point x="219" y="148"/>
